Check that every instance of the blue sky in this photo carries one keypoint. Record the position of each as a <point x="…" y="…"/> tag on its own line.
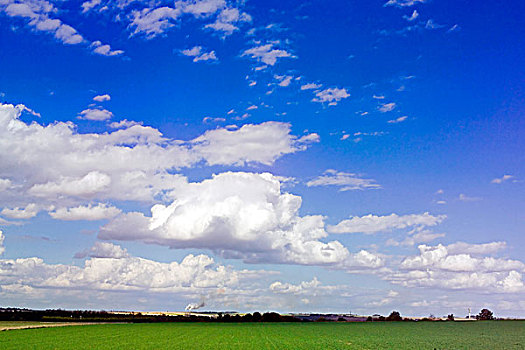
<point x="299" y="156"/>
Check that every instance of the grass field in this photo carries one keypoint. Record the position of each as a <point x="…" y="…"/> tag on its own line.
<point x="380" y="335"/>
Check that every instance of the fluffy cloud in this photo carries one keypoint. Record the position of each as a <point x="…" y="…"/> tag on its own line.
<point x="284" y="80"/>
<point x="311" y="86"/>
<point x="387" y="107"/>
<point x="56" y="163"/>
<point x="98" y="114"/>
<point x="31" y="210"/>
<point x="192" y="274"/>
<point x="267" y="54"/>
<point x="346" y="181"/>
<point x="226" y="19"/>
<point x="372" y="223"/>
<point x="312" y="287"/>
<point x="104" y="250"/>
<point x="331" y="95"/>
<point x="198" y="55"/>
<point x="102" y="98"/>
<point x="39" y="13"/>
<point x="91" y="213"/>
<point x="502" y="179"/>
<point x="238" y="215"/>
<point x="104" y="49"/>
<point x="437" y="267"/>
<point x="476" y="249"/>
<point x="221" y="146"/>
<point x="155" y="21"/>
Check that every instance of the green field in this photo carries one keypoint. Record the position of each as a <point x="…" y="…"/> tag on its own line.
<point x="378" y="335"/>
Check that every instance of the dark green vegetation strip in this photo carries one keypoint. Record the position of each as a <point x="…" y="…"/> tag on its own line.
<point x="379" y="335"/>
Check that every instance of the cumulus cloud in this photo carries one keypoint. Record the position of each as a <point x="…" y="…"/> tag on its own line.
<point x="238" y="215"/>
<point x="311" y="86"/>
<point x="331" y="95"/>
<point x="104" y="250"/>
<point x="221" y="146"/>
<point x="124" y="273"/>
<point x="437" y="267"/>
<point x="30" y="211"/>
<point x="387" y="107"/>
<point x="313" y="287"/>
<point x="346" y="181"/>
<point x="226" y="19"/>
<point x="54" y="163"/>
<point x="464" y="198"/>
<point x="370" y="224"/>
<point x="199" y="55"/>
<point x="500" y="180"/>
<point x="476" y="249"/>
<point x="104" y="49"/>
<point x="39" y="13"/>
<point x="156" y="21"/>
<point x="102" y="98"/>
<point x="90" y="213"/>
<point x="98" y="114"/>
<point x="267" y="54"/>
<point x="284" y="80"/>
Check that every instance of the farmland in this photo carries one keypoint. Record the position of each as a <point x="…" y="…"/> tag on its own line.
<point x="377" y="335"/>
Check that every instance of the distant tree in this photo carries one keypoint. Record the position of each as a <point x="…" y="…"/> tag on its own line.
<point x="450" y="317"/>
<point x="485" y="314"/>
<point x="256" y="316"/>
<point x="394" y="316"/>
<point x="369" y="318"/>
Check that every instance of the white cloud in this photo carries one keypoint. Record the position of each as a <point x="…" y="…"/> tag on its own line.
<point x="284" y="80"/>
<point x="404" y="3"/>
<point x="267" y="54"/>
<point x="464" y="198"/>
<point x="476" y="249"/>
<point x="304" y="288"/>
<point x="372" y="223"/>
<point x="156" y="21"/>
<point x="331" y="95"/>
<point x="413" y="17"/>
<point x="437" y="267"/>
<point x="124" y="124"/>
<point x="387" y="107"/>
<point x="102" y="98"/>
<point x="502" y="179"/>
<point x="90" y="4"/>
<point x="30" y="211"/>
<point x="56" y="163"/>
<point x="84" y="187"/>
<point x="398" y="120"/>
<point x="4" y="184"/>
<point x="262" y="143"/>
<point x="91" y="213"/>
<point x="98" y="114"/>
<point x="153" y="22"/>
<point x="191" y="275"/>
<point x="199" y="55"/>
<point x="239" y="215"/>
<point x="2" y="248"/>
<point x="104" y="49"/>
<point x="346" y="181"/>
<point x="311" y="86"/>
<point x="104" y="250"/>
<point x="226" y="18"/>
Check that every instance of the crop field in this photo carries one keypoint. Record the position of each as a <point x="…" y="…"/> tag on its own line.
<point x="377" y="335"/>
